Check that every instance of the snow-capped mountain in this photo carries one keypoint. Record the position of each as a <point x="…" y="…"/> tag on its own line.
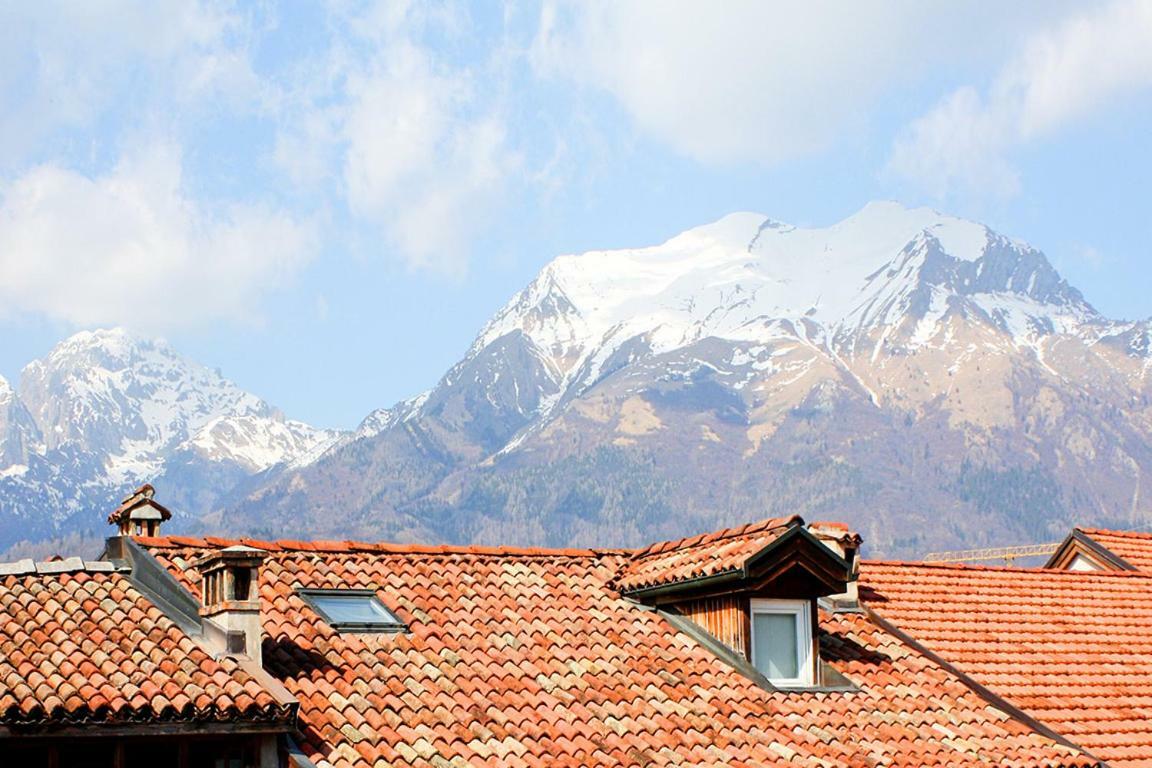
<point x="921" y="376"/>
<point x="104" y="412"/>
<point x="748" y="278"/>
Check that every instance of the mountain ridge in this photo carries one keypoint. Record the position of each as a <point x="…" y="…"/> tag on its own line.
<point x="640" y="369"/>
<point x="104" y="411"/>
<point x="926" y="379"/>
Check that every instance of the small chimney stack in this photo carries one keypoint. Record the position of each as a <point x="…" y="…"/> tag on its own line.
<point x="230" y="600"/>
<point x="139" y="514"/>
<point x="846" y="543"/>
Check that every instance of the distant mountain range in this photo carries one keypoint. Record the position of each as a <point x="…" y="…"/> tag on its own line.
<point x="931" y="382"/>
<point x="104" y="412"/>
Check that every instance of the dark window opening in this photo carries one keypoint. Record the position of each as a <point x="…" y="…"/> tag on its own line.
<point x="241" y="583"/>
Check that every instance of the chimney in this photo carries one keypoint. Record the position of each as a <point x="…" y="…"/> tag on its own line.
<point x="139" y="514"/>
<point x="846" y="543"/>
<point x="230" y="600"/>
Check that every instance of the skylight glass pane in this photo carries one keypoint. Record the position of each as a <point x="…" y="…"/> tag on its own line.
<point x="775" y="651"/>
<point x="353" y="609"/>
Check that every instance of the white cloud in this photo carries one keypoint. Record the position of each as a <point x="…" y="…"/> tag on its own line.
<point x="131" y="248"/>
<point x="746" y="80"/>
<point x="1060" y="74"/>
<point x="66" y="65"/>
<point x="419" y="161"/>
<point x="419" y="146"/>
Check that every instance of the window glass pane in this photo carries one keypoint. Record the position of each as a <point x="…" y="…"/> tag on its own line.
<point x="360" y="609"/>
<point x="775" y="651"/>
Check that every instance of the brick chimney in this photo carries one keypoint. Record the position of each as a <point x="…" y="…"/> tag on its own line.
<point x="139" y="514"/>
<point x="230" y="600"/>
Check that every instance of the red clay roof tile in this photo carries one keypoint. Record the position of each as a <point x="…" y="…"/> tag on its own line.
<point x="709" y="554"/>
<point x="532" y="658"/>
<point x="57" y="667"/>
<point x="1072" y="649"/>
<point x="1133" y="546"/>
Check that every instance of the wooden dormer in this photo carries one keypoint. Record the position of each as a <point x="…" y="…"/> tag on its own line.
<point x="748" y="588"/>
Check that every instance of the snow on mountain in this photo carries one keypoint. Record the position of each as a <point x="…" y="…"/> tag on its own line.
<point x="932" y="383"/>
<point x="746" y="278"/>
<point x="134" y="401"/>
<point x="18" y="433"/>
<point x="104" y="411"/>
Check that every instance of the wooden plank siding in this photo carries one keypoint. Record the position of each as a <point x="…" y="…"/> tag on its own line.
<point x="725" y="617"/>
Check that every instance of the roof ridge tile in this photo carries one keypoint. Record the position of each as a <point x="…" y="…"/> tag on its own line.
<point x="1146" y="535"/>
<point x="866" y="563"/>
<point x="381" y="547"/>
<point x="712" y="537"/>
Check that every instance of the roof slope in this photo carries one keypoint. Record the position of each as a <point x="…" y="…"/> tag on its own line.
<point x="1073" y="649"/>
<point x="529" y="658"/>
<point x="85" y="647"/>
<point x="1134" y="547"/>
<point x="708" y="554"/>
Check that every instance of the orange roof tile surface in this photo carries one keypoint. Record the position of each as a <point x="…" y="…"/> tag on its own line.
<point x="1072" y="649"/>
<point x="530" y="658"/>
<point x="709" y="554"/>
<point x="80" y="648"/>
<point x="1134" y="547"/>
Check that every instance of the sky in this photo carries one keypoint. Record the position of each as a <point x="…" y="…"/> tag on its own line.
<point x="327" y="200"/>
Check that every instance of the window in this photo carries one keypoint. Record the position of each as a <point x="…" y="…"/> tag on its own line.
<point x="782" y="641"/>
<point x="352" y="610"/>
<point x="1082" y="563"/>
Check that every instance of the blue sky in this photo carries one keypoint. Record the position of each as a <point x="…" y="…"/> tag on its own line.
<point x="327" y="200"/>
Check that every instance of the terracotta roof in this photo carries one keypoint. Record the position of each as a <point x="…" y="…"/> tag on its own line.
<point x="80" y="645"/>
<point x="1073" y="649"/>
<point x="709" y="554"/>
<point x="1133" y="547"/>
<point x="530" y="658"/>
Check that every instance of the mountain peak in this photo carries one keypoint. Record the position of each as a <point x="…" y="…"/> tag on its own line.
<point x="734" y="231"/>
<point x="745" y="277"/>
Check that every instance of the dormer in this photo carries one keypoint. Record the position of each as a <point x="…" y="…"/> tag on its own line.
<point x="754" y="589"/>
<point x="139" y="514"/>
<point x="1088" y="549"/>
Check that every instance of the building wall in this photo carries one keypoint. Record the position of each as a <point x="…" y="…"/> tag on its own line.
<point x="138" y="752"/>
<point x="725" y="617"/>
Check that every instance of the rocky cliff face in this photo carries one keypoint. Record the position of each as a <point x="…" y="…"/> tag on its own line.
<point x="929" y="381"/>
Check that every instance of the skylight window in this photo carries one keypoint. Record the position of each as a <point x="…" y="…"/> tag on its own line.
<point x="352" y="610"/>
<point x="782" y="641"/>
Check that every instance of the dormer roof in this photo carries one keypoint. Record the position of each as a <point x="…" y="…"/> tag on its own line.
<point x="1113" y="550"/>
<point x="737" y="559"/>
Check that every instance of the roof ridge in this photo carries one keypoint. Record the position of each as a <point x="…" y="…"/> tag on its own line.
<point x="1112" y="532"/>
<point x="711" y="537"/>
<point x="27" y="566"/>
<point x="383" y="547"/>
<point x="999" y="568"/>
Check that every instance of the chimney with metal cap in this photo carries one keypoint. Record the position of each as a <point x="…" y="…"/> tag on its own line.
<point x="230" y="600"/>
<point x="139" y="514"/>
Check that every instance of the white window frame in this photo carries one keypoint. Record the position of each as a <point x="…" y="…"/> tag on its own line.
<point x="802" y="610"/>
